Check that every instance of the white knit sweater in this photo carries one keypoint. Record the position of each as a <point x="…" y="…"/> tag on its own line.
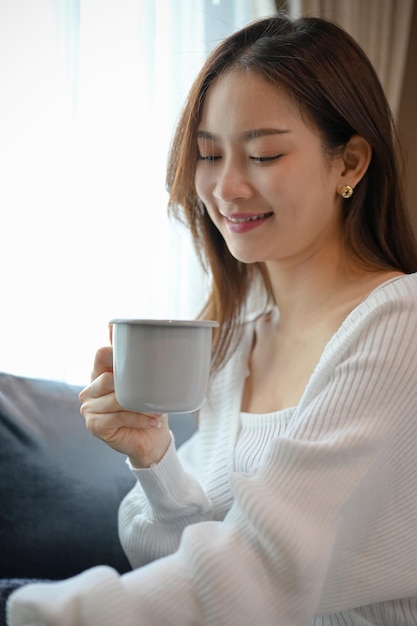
<point x="312" y="520"/>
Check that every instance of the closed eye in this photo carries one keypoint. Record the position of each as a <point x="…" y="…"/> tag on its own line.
<point x="265" y="159"/>
<point x="210" y="158"/>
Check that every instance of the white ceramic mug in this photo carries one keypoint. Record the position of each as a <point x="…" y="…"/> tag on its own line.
<point x="161" y="366"/>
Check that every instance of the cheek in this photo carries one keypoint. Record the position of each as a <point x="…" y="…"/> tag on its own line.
<point x="212" y="213"/>
<point x="205" y="180"/>
<point x="202" y="184"/>
<point x="203" y="188"/>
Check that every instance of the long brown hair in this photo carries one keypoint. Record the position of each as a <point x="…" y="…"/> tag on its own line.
<point x="335" y="86"/>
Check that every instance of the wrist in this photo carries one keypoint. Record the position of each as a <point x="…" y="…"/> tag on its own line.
<point x="155" y="456"/>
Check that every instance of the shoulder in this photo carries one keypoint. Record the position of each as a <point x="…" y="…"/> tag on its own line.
<point x="394" y="302"/>
<point x="382" y="327"/>
<point x="369" y="366"/>
<point x="401" y="289"/>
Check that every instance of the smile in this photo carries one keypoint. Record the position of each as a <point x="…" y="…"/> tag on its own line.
<point x="250" y="218"/>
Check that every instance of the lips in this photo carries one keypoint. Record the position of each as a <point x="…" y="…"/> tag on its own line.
<point x="242" y="219"/>
<point x="242" y="223"/>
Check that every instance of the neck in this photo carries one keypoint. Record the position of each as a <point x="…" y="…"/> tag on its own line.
<point x="313" y="288"/>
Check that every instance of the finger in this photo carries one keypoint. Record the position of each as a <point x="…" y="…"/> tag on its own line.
<point x="103" y="361"/>
<point x="103" y="424"/>
<point x="103" y="385"/>
<point x="111" y="334"/>
<point x="99" y="397"/>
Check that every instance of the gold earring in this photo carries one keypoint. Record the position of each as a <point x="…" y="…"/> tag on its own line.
<point x="346" y="191"/>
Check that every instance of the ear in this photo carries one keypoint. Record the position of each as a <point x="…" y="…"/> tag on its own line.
<point x="356" y="158"/>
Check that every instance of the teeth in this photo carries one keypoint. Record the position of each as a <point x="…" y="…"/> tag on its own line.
<point x="242" y="220"/>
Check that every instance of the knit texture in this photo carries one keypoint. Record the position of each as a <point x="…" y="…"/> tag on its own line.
<point x="321" y="528"/>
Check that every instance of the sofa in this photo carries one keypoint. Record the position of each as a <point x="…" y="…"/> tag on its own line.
<point x="60" y="488"/>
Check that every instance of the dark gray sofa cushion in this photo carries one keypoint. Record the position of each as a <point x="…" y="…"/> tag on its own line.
<point x="60" y="488"/>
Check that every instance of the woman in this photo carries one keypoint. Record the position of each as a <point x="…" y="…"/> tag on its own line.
<point x="295" y="502"/>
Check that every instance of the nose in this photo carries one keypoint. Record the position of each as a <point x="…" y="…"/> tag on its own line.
<point x="232" y="183"/>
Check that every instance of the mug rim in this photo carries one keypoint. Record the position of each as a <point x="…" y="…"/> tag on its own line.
<point x="165" y="322"/>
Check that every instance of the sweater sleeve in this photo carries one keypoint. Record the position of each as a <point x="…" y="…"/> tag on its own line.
<point x="153" y="515"/>
<point x="325" y="525"/>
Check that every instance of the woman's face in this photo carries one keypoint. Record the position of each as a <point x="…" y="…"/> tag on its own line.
<point x="262" y="174"/>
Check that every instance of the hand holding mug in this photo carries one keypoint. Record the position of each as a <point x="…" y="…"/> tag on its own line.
<point x="155" y="367"/>
<point x="143" y="437"/>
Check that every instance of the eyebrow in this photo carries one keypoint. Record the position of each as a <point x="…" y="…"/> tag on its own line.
<point x="247" y="135"/>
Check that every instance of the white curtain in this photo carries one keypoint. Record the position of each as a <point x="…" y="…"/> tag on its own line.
<point x="90" y="92"/>
<point x="381" y="27"/>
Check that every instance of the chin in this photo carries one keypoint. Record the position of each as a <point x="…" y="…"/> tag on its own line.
<point x="246" y="257"/>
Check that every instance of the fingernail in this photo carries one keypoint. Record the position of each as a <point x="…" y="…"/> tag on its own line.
<point x="154" y="422"/>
